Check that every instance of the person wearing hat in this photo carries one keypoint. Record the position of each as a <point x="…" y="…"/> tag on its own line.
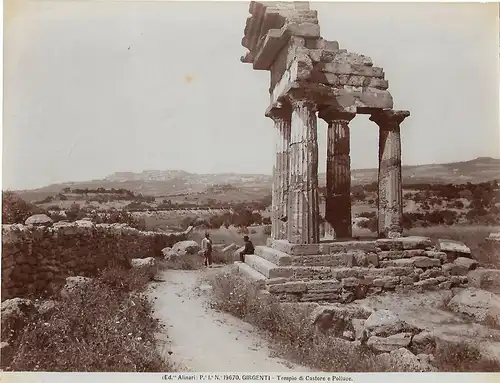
<point x="248" y="249"/>
<point x="206" y="247"/>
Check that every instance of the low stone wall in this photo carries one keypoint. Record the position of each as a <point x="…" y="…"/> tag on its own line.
<point x="37" y="259"/>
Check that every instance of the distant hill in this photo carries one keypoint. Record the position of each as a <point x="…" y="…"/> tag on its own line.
<point x="177" y="182"/>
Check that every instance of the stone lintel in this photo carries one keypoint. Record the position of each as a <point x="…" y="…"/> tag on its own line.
<point x="389" y="118"/>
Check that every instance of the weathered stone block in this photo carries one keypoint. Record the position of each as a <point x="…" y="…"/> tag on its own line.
<point x="454" y="269"/>
<point x="454" y="247"/>
<point x="428" y="283"/>
<point x="350" y="282"/>
<point x="391" y="343"/>
<point x="485" y="279"/>
<point x="426" y="262"/>
<point x="398" y="254"/>
<point x="288" y="287"/>
<point x="320" y="296"/>
<point x="467" y="263"/>
<point x="327" y="286"/>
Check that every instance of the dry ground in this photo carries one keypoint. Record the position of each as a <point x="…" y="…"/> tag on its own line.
<point x="201" y="339"/>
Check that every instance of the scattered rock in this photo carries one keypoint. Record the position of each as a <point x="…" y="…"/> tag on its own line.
<point x="494" y="237"/>
<point x="480" y="305"/>
<point x="424" y="342"/>
<point x="73" y="284"/>
<point x="386" y="323"/>
<point x="349" y="335"/>
<point x="358" y="327"/>
<point x="488" y="279"/>
<point x="403" y="360"/>
<point x="15" y="314"/>
<point x="46" y="307"/>
<point x="142" y="262"/>
<point x="39" y="220"/>
<point x="231" y="247"/>
<point x="467" y="263"/>
<point x="426" y="358"/>
<point x="390" y="343"/>
<point x="186" y="247"/>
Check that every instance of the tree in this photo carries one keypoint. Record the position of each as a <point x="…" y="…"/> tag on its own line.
<point x="17" y="210"/>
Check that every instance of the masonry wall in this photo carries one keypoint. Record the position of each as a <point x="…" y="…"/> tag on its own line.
<point x="37" y="259"/>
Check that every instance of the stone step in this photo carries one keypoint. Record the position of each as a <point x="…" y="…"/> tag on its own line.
<point x="266" y="268"/>
<point x="336" y="246"/>
<point x="274" y="256"/>
<point x="252" y="274"/>
<point x="336" y="260"/>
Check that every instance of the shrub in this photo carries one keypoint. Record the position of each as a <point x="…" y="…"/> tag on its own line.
<point x="462" y="357"/>
<point x="17" y="210"/>
<point x="291" y="328"/>
<point x="99" y="327"/>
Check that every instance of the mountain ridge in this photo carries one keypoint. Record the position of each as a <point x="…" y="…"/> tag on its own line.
<point x="174" y="181"/>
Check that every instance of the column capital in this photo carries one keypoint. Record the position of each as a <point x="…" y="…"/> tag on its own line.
<point x="334" y="114"/>
<point x="300" y="97"/>
<point x="389" y="118"/>
<point x="279" y="111"/>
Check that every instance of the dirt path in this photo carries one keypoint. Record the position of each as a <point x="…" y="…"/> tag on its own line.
<point x="203" y="340"/>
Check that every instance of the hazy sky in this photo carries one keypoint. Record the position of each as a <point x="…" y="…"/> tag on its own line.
<point x="94" y="87"/>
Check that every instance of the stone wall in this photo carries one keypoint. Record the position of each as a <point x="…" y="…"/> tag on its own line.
<point x="37" y="259"/>
<point x="351" y="270"/>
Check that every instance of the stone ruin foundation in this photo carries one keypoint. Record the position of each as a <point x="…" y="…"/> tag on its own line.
<point x="312" y="77"/>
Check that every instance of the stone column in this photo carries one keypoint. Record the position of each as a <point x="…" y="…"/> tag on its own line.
<point x="282" y="119"/>
<point x="338" y="172"/>
<point x="303" y="209"/>
<point x="390" y="188"/>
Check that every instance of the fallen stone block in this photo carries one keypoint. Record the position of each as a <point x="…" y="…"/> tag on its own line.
<point x="288" y="287"/>
<point x="424" y="342"/>
<point x="142" y="262"/>
<point x="487" y="279"/>
<point x="480" y="305"/>
<point x="390" y="343"/>
<point x="454" y="248"/>
<point x="403" y="360"/>
<point x="385" y="323"/>
<point x="468" y="263"/>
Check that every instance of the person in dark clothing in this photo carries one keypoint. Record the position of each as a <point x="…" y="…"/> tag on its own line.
<point x="249" y="249"/>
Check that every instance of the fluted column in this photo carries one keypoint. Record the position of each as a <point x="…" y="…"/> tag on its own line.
<point x="390" y="188"/>
<point x="338" y="172"/>
<point x="282" y="118"/>
<point x="303" y="210"/>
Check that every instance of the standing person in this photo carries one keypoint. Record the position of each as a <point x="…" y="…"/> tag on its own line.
<point x="206" y="247"/>
<point x="248" y="249"/>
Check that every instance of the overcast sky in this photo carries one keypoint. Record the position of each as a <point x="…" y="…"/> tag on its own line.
<point x="95" y="87"/>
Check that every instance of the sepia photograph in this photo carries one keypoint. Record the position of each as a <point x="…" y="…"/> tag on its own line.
<point x="243" y="188"/>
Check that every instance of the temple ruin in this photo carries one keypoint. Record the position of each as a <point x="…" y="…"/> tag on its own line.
<point x="312" y="77"/>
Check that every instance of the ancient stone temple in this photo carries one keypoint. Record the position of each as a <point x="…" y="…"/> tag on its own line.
<point x="312" y="77"/>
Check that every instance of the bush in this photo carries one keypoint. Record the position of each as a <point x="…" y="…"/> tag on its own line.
<point x="462" y="357"/>
<point x="289" y="327"/>
<point x="298" y="340"/>
<point x="17" y="210"/>
<point x="99" y="327"/>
